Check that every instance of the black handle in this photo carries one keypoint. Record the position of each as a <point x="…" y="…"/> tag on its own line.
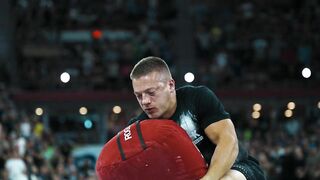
<point x="142" y="143"/>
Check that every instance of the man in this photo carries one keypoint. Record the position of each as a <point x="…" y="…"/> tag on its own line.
<point x="200" y="113"/>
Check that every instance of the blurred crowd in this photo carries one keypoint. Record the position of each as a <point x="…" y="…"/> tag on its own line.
<point x="29" y="151"/>
<point x="126" y="31"/>
<point x="255" y="44"/>
<point x="287" y="148"/>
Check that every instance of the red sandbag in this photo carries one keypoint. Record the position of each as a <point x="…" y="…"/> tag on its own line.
<point x="152" y="149"/>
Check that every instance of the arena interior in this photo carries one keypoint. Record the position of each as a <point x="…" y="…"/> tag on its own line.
<point x="65" y="88"/>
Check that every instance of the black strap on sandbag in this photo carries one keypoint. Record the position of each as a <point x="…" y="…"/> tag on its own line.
<point x="141" y="140"/>
<point x="142" y="143"/>
<point x="123" y="156"/>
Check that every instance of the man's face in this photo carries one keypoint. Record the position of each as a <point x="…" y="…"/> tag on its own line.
<point x="154" y="93"/>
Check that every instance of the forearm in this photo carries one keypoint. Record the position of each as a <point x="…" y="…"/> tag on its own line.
<point x="223" y="158"/>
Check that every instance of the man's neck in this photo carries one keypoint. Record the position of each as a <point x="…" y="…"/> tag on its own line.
<point x="172" y="108"/>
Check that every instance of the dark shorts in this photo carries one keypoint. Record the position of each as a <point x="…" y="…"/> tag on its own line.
<point x="250" y="168"/>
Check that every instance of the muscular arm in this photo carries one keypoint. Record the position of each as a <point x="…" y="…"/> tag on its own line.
<point x="222" y="133"/>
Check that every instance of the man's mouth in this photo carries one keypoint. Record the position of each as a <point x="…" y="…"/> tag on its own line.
<point x="150" y="110"/>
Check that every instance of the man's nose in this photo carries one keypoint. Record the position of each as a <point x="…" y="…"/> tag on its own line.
<point x="145" y="99"/>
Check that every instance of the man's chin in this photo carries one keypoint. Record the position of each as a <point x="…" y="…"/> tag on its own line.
<point x="153" y="116"/>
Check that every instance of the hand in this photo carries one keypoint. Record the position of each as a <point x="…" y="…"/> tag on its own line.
<point x="206" y="177"/>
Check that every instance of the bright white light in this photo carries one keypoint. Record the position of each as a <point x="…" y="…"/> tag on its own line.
<point x="65" y="77"/>
<point x="255" y="115"/>
<point x="288" y="113"/>
<point x="306" y="72"/>
<point x="39" y="111"/>
<point x="87" y="124"/>
<point x="189" y="77"/>
<point x="83" y="110"/>
<point x="116" y="109"/>
<point x="291" y="105"/>
<point x="319" y="105"/>
<point x="257" y="107"/>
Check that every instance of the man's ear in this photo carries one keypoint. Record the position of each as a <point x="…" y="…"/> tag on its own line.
<point x="172" y="85"/>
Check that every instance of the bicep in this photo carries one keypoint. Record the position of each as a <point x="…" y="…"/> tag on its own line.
<point x="219" y="129"/>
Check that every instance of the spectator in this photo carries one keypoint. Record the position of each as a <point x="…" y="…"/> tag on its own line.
<point x="15" y="166"/>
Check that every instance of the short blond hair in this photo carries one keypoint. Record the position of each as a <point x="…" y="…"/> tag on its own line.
<point x="148" y="65"/>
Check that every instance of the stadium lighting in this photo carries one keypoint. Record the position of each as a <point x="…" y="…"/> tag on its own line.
<point x="288" y="113"/>
<point x="189" y="77"/>
<point x="306" y="72"/>
<point x="257" y="107"/>
<point x="319" y="105"/>
<point x="255" y="115"/>
<point x="39" y="111"/>
<point x="83" y="110"/>
<point x="65" y="77"/>
<point x="116" y="109"/>
<point x="87" y="124"/>
<point x="291" y="105"/>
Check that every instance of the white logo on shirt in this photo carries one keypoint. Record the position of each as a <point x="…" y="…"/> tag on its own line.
<point x="190" y="126"/>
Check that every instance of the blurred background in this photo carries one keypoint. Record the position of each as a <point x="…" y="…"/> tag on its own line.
<point x="65" y="87"/>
